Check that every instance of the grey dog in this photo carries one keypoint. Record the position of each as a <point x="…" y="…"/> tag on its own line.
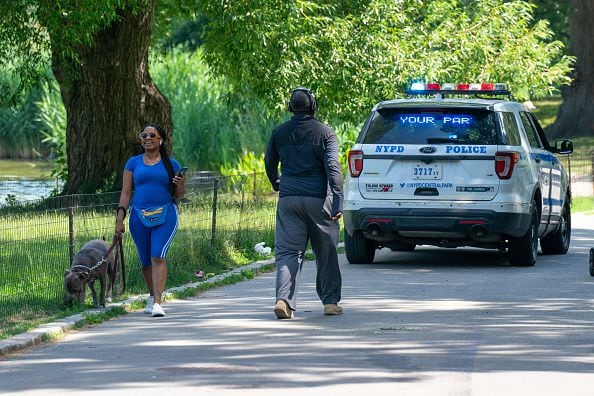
<point x="90" y="263"/>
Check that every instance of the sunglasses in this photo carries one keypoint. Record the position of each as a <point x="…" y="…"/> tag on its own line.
<point x="145" y="135"/>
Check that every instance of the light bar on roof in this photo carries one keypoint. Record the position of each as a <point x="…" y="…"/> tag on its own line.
<point x="419" y="88"/>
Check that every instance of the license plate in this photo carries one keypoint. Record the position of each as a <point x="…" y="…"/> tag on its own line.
<point x="427" y="172"/>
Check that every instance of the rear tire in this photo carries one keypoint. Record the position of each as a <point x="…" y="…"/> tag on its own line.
<point x="591" y="261"/>
<point x="522" y="251"/>
<point x="558" y="241"/>
<point x="358" y="249"/>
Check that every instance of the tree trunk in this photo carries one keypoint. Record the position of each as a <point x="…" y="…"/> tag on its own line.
<point x="576" y="114"/>
<point x="108" y="96"/>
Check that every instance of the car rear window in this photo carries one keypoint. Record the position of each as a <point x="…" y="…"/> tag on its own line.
<point x="432" y="126"/>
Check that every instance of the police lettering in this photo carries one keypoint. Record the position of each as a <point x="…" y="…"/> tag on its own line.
<point x="389" y="149"/>
<point x="466" y="149"/>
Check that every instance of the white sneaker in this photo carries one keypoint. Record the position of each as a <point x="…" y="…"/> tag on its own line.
<point x="157" y="310"/>
<point x="149" y="305"/>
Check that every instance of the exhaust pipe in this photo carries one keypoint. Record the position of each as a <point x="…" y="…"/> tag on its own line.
<point x="478" y="231"/>
<point x="373" y="229"/>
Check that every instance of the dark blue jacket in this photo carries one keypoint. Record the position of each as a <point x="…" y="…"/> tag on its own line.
<point x="308" y="154"/>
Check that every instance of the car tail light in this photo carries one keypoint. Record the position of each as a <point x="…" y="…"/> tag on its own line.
<point x="355" y="158"/>
<point x="505" y="162"/>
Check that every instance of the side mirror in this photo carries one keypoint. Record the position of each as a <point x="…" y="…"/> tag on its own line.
<point x="563" y="146"/>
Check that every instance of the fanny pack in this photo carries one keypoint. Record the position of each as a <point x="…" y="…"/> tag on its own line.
<point x="153" y="216"/>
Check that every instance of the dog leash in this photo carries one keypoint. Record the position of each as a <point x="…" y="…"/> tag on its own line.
<point x="117" y="239"/>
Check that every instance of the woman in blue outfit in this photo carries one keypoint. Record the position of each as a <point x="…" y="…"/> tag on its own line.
<point x="155" y="179"/>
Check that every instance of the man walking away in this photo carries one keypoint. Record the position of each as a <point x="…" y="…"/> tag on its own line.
<point x="309" y="206"/>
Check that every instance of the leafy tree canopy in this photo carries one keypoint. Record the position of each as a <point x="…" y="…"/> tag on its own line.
<point x="26" y="27"/>
<point x="353" y="53"/>
<point x="557" y="13"/>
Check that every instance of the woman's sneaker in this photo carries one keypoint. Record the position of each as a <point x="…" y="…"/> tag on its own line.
<point x="157" y="311"/>
<point x="149" y="305"/>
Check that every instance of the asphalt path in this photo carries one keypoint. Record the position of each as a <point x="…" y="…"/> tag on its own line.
<point x="428" y="322"/>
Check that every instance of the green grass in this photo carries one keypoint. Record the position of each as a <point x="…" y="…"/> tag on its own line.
<point x="34" y="252"/>
<point x="583" y="146"/>
<point x="546" y="110"/>
<point x="31" y="169"/>
<point x="583" y="205"/>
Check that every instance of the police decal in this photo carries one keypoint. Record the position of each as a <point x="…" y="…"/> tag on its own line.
<point x="380" y="148"/>
<point x="460" y="149"/>
<point x="427" y="185"/>
<point x="379" y="187"/>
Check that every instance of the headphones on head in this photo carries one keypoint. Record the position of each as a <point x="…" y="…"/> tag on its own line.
<point x="313" y="105"/>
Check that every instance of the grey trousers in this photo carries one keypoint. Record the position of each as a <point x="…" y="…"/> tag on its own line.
<point x="299" y="220"/>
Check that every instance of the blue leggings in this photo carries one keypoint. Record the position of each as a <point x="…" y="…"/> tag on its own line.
<point x="153" y="241"/>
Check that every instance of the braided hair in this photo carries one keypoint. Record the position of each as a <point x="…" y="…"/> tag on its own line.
<point x="164" y="154"/>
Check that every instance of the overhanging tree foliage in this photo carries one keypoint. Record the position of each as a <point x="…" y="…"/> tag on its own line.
<point x="98" y="51"/>
<point x="557" y="13"/>
<point x="353" y="53"/>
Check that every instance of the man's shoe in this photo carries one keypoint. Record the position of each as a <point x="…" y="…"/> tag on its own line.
<point x="157" y="311"/>
<point x="149" y="305"/>
<point x="282" y="310"/>
<point x="332" y="309"/>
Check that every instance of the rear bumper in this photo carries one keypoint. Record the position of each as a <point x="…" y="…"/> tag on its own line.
<point x="426" y="221"/>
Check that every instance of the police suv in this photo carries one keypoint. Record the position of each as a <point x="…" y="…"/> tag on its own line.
<point x="456" y="165"/>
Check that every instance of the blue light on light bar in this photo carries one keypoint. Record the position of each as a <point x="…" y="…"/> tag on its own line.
<point x="417" y="86"/>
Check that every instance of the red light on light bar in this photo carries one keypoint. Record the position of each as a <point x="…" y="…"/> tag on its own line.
<point x="463" y="87"/>
<point x="432" y="87"/>
<point x="487" y="87"/>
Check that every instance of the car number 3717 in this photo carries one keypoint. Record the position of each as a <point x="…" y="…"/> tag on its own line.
<point x="427" y="172"/>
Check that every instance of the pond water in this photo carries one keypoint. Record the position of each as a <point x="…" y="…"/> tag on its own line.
<point x="25" y="189"/>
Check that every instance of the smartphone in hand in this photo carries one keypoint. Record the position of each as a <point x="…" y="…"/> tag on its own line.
<point x="182" y="171"/>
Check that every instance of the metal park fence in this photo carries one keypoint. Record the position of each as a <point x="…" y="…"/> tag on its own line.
<point x="581" y="173"/>
<point x="220" y="221"/>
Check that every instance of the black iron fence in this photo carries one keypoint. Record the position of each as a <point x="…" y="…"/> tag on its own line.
<point x="581" y="173"/>
<point x="221" y="219"/>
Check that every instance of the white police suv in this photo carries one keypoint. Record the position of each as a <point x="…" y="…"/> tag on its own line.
<point x="456" y="165"/>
